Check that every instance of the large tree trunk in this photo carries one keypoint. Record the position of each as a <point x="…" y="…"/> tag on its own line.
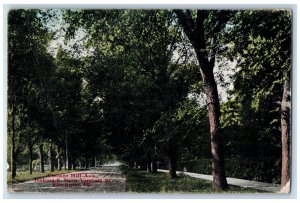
<point x="172" y="158"/>
<point x="86" y="161"/>
<point x="213" y="107"/>
<point x="195" y="31"/>
<point x="65" y="160"/>
<point x="30" y="157"/>
<point x="69" y="161"/>
<point x="285" y="130"/>
<point x="13" y="144"/>
<point x="149" y="162"/>
<point x="154" y="164"/>
<point x="73" y="166"/>
<point x="59" y="166"/>
<point x="143" y="165"/>
<point x="42" y="170"/>
<point x="67" y="157"/>
<point x="73" y="162"/>
<point x="51" y="161"/>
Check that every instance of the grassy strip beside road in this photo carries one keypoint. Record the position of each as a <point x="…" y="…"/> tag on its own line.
<point x="143" y="182"/>
<point x="25" y="176"/>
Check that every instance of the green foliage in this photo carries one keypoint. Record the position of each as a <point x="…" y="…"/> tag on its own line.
<point x="261" y="42"/>
<point x="29" y="65"/>
<point x="264" y="51"/>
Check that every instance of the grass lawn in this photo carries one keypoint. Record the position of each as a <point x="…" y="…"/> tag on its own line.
<point x="25" y="176"/>
<point x="144" y="182"/>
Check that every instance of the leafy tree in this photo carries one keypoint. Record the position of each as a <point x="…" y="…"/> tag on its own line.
<point x="261" y="41"/>
<point x="27" y="60"/>
<point x="204" y="30"/>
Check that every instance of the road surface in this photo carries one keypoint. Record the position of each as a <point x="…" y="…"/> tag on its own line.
<point x="105" y="179"/>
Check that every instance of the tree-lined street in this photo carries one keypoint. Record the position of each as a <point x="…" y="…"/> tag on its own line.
<point x="201" y="91"/>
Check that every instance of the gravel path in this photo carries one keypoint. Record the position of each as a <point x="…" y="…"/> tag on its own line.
<point x="105" y="179"/>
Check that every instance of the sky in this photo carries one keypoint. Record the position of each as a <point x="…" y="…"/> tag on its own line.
<point x="75" y="46"/>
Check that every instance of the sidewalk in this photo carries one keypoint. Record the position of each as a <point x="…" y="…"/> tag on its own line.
<point x="267" y="187"/>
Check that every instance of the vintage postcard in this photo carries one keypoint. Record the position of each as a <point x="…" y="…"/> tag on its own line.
<point x="186" y="101"/>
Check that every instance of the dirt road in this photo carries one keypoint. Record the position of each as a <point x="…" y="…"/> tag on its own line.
<point x="105" y="179"/>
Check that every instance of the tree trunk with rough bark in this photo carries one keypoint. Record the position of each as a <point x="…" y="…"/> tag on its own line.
<point x="195" y="31"/>
<point x="42" y="170"/>
<point x="285" y="130"/>
<point x="213" y="107"/>
<point x="73" y="163"/>
<point x="30" y="157"/>
<point x="154" y="164"/>
<point x="51" y="161"/>
<point x="67" y="157"/>
<point x="59" y="166"/>
<point x="86" y="162"/>
<point x="13" y="143"/>
<point x="143" y="165"/>
<point x="172" y="158"/>
<point x="73" y="166"/>
<point x="149" y="162"/>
